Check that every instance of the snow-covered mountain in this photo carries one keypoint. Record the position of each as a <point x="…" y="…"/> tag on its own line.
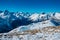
<point x="56" y="18"/>
<point x="13" y="20"/>
<point x="39" y="17"/>
<point x="33" y="26"/>
<point x="34" y="17"/>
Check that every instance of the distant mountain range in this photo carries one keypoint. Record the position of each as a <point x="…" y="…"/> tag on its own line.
<point x="12" y="20"/>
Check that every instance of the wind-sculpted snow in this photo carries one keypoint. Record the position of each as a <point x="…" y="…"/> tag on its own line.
<point x="12" y="20"/>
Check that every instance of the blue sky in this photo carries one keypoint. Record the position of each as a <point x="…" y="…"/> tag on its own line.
<point x="30" y="5"/>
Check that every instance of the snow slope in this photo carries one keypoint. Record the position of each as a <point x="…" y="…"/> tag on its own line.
<point x="32" y="26"/>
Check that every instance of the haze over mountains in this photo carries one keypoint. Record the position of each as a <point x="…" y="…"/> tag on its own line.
<point x="12" y="20"/>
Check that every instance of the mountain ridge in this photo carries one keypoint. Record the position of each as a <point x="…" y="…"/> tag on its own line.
<point x="13" y="20"/>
